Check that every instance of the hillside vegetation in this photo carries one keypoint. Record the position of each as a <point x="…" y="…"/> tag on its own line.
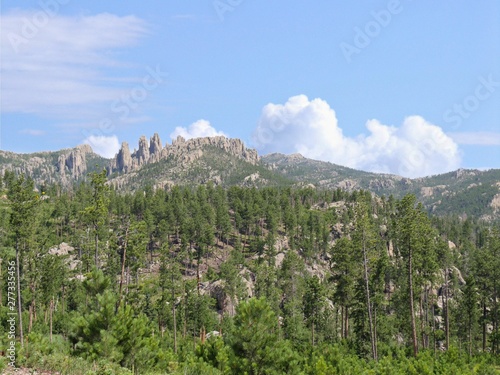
<point x="228" y="162"/>
<point x="209" y="279"/>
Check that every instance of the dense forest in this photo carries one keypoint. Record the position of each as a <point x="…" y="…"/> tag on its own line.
<point x="212" y="280"/>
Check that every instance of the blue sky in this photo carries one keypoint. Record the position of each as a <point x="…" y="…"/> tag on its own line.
<point x="399" y="86"/>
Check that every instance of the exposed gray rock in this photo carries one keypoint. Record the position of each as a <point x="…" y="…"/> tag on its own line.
<point x="225" y="303"/>
<point x="458" y="274"/>
<point x="279" y="260"/>
<point x="184" y="151"/>
<point x="75" y="161"/>
<point x="142" y="154"/>
<point x="155" y="146"/>
<point x="124" y="161"/>
<point x="62" y="249"/>
<point x="180" y="139"/>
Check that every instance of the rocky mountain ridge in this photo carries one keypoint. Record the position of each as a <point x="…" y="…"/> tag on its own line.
<point x="65" y="166"/>
<point x="227" y="162"/>
<point x="181" y="149"/>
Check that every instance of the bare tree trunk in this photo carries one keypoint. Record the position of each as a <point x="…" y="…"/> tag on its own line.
<point x="31" y="313"/>
<point x="368" y="303"/>
<point x="19" y="310"/>
<point x="346" y="323"/>
<point x="375" y="330"/>
<point x="50" y="315"/>
<point x="422" y="331"/>
<point x="173" y="313"/>
<point x="434" y="328"/>
<point x="96" y="256"/>
<point x="470" y="339"/>
<point x="447" y="315"/>
<point x="484" y="325"/>
<point x="337" y="321"/>
<point x="342" y="329"/>
<point x="184" y="333"/>
<point x="127" y="280"/>
<point x="313" y="334"/>
<point x="426" y="293"/>
<point x="412" y="309"/>
<point x="123" y="264"/>
<point x="494" y="344"/>
<point x="198" y="275"/>
<point x="1" y="285"/>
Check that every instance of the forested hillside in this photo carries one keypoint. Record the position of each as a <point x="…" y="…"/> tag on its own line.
<point x="228" y="162"/>
<point x="242" y="280"/>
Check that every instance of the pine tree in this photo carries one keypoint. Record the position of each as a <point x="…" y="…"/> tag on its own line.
<point x="365" y="242"/>
<point x="96" y="213"/>
<point x="23" y="202"/>
<point x="254" y="337"/>
<point x="345" y="270"/>
<point x="313" y="304"/>
<point x="414" y="242"/>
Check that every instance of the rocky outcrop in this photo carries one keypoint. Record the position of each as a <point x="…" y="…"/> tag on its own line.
<point x="184" y="151"/>
<point x="63" y="167"/>
<point x="67" y="252"/>
<point x="123" y="159"/>
<point x="74" y="162"/>
<point x="495" y="203"/>
<point x="379" y="184"/>
<point x="155" y="147"/>
<point x="181" y="147"/>
<point x="429" y="191"/>
<point x="125" y="162"/>
<point x="155" y="144"/>
<point x="142" y="155"/>
<point x="348" y="184"/>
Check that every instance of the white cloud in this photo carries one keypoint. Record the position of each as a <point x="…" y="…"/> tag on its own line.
<point x="200" y="128"/>
<point x="105" y="146"/>
<point x="32" y="132"/>
<point x="310" y="127"/>
<point x="56" y="65"/>
<point x="476" y="138"/>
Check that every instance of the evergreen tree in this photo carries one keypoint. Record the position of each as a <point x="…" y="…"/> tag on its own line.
<point x="23" y="203"/>
<point x="414" y="242"/>
<point x="96" y="213"/>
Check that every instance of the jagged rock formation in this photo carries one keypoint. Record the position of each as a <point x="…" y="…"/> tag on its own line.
<point x="74" y="162"/>
<point x="123" y="160"/>
<point x="64" y="166"/>
<point x="142" y="155"/>
<point x="495" y="203"/>
<point x="227" y="162"/>
<point x="155" y="146"/>
<point x="185" y="151"/>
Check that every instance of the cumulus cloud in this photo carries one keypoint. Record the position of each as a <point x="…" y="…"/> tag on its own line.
<point x="200" y="128"/>
<point x="416" y="148"/>
<point x="105" y="146"/>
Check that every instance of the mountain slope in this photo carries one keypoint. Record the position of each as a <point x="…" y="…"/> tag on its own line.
<point x="462" y="192"/>
<point x="228" y="162"/>
<point x="64" y="166"/>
